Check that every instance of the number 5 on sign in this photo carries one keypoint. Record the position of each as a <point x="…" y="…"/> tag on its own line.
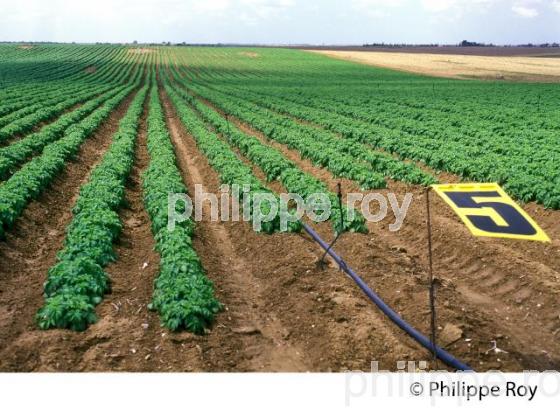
<point x="488" y="211"/>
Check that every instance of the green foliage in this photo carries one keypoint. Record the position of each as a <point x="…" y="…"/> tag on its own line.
<point x="277" y="167"/>
<point x="359" y="122"/>
<point x="183" y="295"/>
<point x="78" y="276"/>
<point x="77" y="282"/>
<point x="307" y="141"/>
<point x="16" y="153"/>
<point x="479" y="130"/>
<point x="67" y="310"/>
<point x="231" y="169"/>
<point x="32" y="179"/>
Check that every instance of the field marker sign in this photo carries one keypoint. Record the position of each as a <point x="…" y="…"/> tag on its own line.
<point x="487" y="210"/>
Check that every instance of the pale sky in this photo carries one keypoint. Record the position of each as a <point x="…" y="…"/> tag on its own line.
<point x="282" y="21"/>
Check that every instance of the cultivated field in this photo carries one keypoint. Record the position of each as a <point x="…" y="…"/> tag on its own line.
<point x="93" y="138"/>
<point x="516" y="68"/>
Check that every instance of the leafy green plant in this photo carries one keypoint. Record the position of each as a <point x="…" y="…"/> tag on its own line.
<point x="479" y="130"/>
<point x="36" y="175"/>
<point x="77" y="282"/>
<point x="183" y="295"/>
<point x="277" y="167"/>
<point x="231" y="169"/>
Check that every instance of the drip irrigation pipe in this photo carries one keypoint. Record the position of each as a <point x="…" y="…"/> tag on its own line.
<point x="441" y="354"/>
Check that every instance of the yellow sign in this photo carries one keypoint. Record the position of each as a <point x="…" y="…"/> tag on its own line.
<point x="488" y="211"/>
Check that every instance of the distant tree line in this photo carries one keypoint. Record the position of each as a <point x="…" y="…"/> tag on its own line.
<point x="464" y="43"/>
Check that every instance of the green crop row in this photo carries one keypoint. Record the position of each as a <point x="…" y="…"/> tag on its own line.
<point x="277" y="167"/>
<point x="77" y="282"/>
<point x="352" y="144"/>
<point x="26" y="123"/>
<point x="27" y="183"/>
<point x="19" y="151"/>
<point x="305" y="141"/>
<point x="183" y="295"/>
<point x="30" y="94"/>
<point x="231" y="169"/>
<point x="484" y="156"/>
<point x="31" y="106"/>
<point x="484" y="131"/>
<point x="32" y="102"/>
<point x="16" y="153"/>
<point x="53" y="63"/>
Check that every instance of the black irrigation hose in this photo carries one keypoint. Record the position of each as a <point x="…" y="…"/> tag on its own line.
<point x="441" y="354"/>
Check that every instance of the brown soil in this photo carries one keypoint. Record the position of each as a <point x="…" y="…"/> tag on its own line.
<point x="258" y="344"/>
<point x="278" y="296"/>
<point x="91" y="69"/>
<point x="363" y="321"/>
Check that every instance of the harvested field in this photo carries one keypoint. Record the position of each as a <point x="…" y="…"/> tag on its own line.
<point x="489" y="51"/>
<point x="535" y="68"/>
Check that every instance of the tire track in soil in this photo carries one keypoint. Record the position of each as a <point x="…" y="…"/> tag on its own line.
<point x="30" y="250"/>
<point x="322" y="310"/>
<point x="482" y="322"/>
<point x="244" y="340"/>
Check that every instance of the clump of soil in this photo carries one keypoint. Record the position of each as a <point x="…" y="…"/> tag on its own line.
<point x="91" y="69"/>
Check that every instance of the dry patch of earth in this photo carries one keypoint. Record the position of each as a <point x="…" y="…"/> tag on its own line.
<point x="249" y="54"/>
<point x="141" y="50"/>
<point x="536" y="69"/>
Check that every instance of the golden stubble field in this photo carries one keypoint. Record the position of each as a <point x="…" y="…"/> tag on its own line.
<point x="542" y="69"/>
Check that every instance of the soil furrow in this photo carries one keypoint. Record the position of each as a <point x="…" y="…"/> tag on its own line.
<point x="256" y="341"/>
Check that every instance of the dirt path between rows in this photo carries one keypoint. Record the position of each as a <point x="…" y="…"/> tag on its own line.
<point x="128" y="336"/>
<point x="259" y="341"/>
<point x="364" y="319"/>
<point x="28" y="252"/>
